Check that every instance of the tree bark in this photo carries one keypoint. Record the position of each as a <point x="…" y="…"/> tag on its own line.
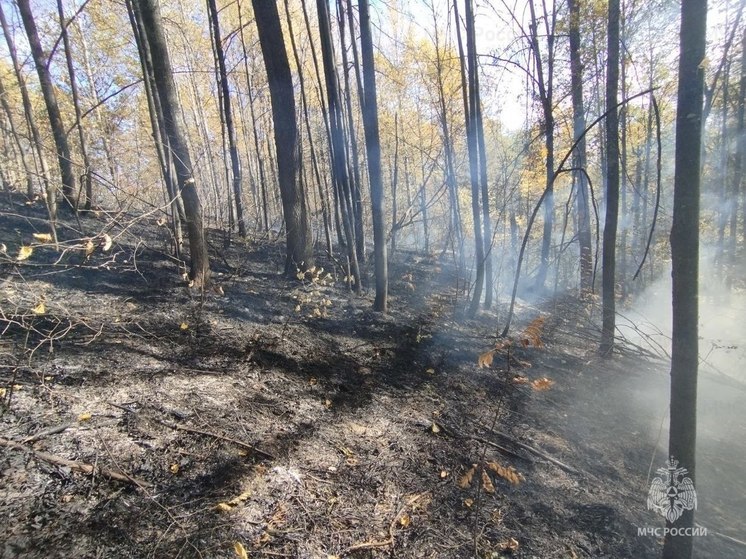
<point x="50" y="100"/>
<point x="579" y="157"/>
<point x="373" y="145"/>
<point x="166" y="90"/>
<point x="612" y="183"/>
<point x="87" y="171"/>
<point x="298" y="231"/>
<point x="228" y="112"/>
<point x="685" y="260"/>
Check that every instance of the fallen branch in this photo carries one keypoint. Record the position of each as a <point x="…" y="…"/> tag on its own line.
<point x="532" y="450"/>
<point x="177" y="427"/>
<point x="73" y="465"/>
<point x="46" y="432"/>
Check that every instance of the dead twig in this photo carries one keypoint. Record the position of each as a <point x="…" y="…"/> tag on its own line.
<point x="73" y="465"/>
<point x="177" y="427"/>
<point x="531" y="449"/>
<point x="49" y="431"/>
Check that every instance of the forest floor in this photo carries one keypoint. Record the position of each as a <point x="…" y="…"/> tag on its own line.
<point x="287" y="417"/>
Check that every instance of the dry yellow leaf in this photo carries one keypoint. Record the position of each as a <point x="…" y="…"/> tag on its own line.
<point x="107" y="243"/>
<point x="85" y="416"/>
<point x="542" y="384"/>
<point x="520" y="379"/>
<point x="3" y="391"/>
<point x="297" y="308"/>
<point x="430" y="371"/>
<point x="465" y="480"/>
<point x="487" y="482"/>
<point x="485" y="359"/>
<point x="509" y="545"/>
<point x="240" y="550"/>
<point x="89" y="247"/>
<point x="184" y="326"/>
<point x="24" y="252"/>
<point x="239" y="499"/>
<point x="174" y="468"/>
<point x="434" y="428"/>
<point x="405" y="520"/>
<point x="468" y="502"/>
<point x="510" y="473"/>
<point x="17" y="387"/>
<point x="39" y="309"/>
<point x="43" y="237"/>
<point x="327" y="403"/>
<point x="223" y="507"/>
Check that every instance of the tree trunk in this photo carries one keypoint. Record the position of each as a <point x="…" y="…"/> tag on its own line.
<point x="50" y="100"/>
<point x="336" y="133"/>
<point x="228" y="112"/>
<point x="30" y="118"/>
<point x="579" y="157"/>
<point x="612" y="183"/>
<point x="471" y="137"/>
<point x="17" y="140"/>
<point x="685" y="260"/>
<point x="298" y="231"/>
<point x="166" y="89"/>
<point x="87" y="171"/>
<point x="373" y="145"/>
<point x="476" y="108"/>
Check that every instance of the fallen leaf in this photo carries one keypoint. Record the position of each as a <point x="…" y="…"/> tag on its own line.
<point x="43" y="237"/>
<point x="487" y="482"/>
<point x="509" y="545"/>
<point x="107" y="243"/>
<point x="39" y="309"/>
<point x="520" y="379"/>
<point x="468" y="502"/>
<point x="174" y="469"/>
<point x="240" y="550"/>
<point x="89" y="247"/>
<point x="510" y="473"/>
<point x="430" y="371"/>
<point x="443" y="474"/>
<point x="184" y="326"/>
<point x="85" y="416"/>
<point x="3" y="391"/>
<point x="24" y="252"/>
<point x="405" y="520"/>
<point x="435" y="429"/>
<point x="485" y="359"/>
<point x="542" y="384"/>
<point x="223" y="507"/>
<point x="465" y="480"/>
<point x="327" y="404"/>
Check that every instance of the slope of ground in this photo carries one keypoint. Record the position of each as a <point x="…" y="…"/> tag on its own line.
<point x="286" y="417"/>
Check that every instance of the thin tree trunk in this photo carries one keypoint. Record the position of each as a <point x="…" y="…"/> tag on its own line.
<point x="685" y="263"/>
<point x="166" y="88"/>
<point x="17" y="140"/>
<point x="50" y="100"/>
<point x="373" y="145"/>
<point x="471" y="137"/>
<point x="87" y="170"/>
<point x="298" y="231"/>
<point x="228" y="112"/>
<point x="579" y="157"/>
<point x="336" y="132"/>
<point x="612" y="184"/>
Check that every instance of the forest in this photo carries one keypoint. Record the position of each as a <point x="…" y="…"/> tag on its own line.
<point x="372" y="278"/>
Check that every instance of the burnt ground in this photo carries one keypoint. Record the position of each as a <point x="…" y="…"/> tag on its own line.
<point x="288" y="417"/>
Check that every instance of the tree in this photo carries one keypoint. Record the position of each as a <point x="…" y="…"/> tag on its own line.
<point x="579" y="156"/>
<point x="50" y="100"/>
<point x="169" y="103"/>
<point x="336" y="132"/>
<point x="612" y="183"/>
<point x="373" y="147"/>
<point x="685" y="260"/>
<point x="473" y="148"/>
<point x="87" y="171"/>
<point x="228" y="114"/>
<point x="298" y="229"/>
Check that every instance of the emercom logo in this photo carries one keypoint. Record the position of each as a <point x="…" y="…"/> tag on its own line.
<point x="671" y="493"/>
